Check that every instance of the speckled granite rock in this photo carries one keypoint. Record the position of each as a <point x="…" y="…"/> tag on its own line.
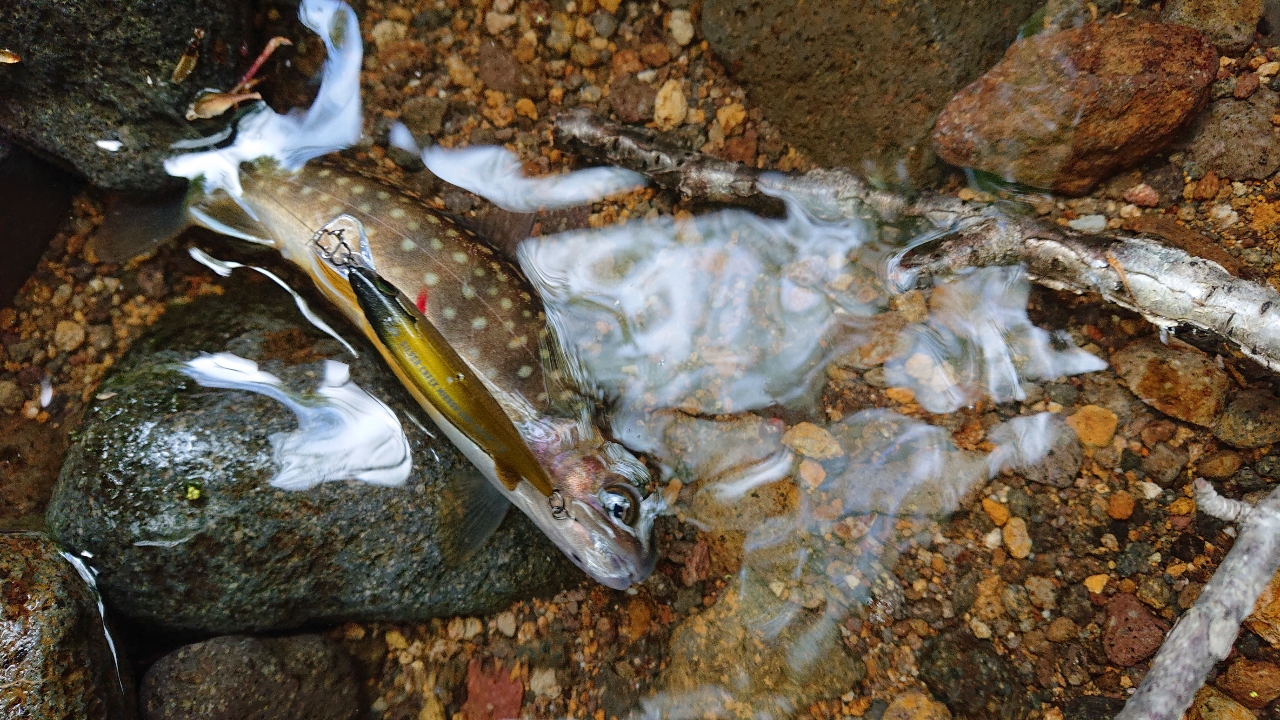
<point x="1229" y="24"/>
<point x="1064" y="111"/>
<point x="971" y="678"/>
<point x="243" y="556"/>
<point x="1235" y="139"/>
<point x="55" y="661"/>
<point x="85" y="76"/>
<point x="859" y="84"/>
<point x="235" y="677"/>
<point x="1251" y="420"/>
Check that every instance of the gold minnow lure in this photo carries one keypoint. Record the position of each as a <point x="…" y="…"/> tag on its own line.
<point x="445" y="379"/>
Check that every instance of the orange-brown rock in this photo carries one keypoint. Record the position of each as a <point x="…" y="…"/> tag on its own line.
<point x="1252" y="682"/>
<point x="1064" y="111"/>
<point x="1175" y="379"/>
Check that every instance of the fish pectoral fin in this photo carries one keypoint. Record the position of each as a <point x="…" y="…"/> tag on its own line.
<point x="471" y="509"/>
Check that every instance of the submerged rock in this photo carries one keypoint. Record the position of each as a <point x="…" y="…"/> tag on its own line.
<point x="1176" y="379"/>
<point x="167" y="484"/>
<point x="86" y="76"/>
<point x="1229" y="24"/>
<point x="55" y="658"/>
<point x="1066" y="110"/>
<point x="971" y="678"/>
<point x="1235" y="139"/>
<point x="1251" y="420"/>
<point x="229" y="678"/>
<point x="859" y="84"/>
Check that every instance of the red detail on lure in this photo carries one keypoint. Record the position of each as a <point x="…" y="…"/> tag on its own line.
<point x="421" y="302"/>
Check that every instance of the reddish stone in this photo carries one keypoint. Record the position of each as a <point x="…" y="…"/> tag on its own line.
<point x="742" y="148"/>
<point x="491" y="694"/>
<point x="1132" y="633"/>
<point x="1246" y="85"/>
<point x="1066" y="110"/>
<point x="1251" y="682"/>
<point x="655" y="54"/>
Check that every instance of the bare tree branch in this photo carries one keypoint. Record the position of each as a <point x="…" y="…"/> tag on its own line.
<point x="1167" y="285"/>
<point x="1205" y="633"/>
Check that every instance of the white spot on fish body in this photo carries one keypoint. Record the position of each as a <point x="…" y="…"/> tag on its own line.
<point x="449" y="313"/>
<point x="407" y="245"/>
<point x="436" y="244"/>
<point x="451" y="233"/>
<point x="468" y="292"/>
<point x="396" y="213"/>
<point x="460" y="257"/>
<point x="357" y="190"/>
<point x="343" y="180"/>
<point x="306" y="190"/>
<point x="365" y="208"/>
<point x="412" y="224"/>
<point x="524" y="371"/>
<point x="433" y="219"/>
<point x="479" y="323"/>
<point x="335" y="209"/>
<point x="505" y="303"/>
<point x="431" y="279"/>
<point x="491" y="291"/>
<point x="518" y="342"/>
<point x="383" y="195"/>
<point x="479" y="272"/>
<point x="324" y="173"/>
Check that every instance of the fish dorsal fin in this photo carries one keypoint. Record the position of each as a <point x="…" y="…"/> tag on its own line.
<point x="471" y="509"/>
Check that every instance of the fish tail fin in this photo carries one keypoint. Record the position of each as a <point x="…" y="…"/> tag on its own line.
<point x="471" y="509"/>
<point x="136" y="226"/>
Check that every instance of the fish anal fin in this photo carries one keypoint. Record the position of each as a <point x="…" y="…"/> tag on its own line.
<point x="471" y="509"/>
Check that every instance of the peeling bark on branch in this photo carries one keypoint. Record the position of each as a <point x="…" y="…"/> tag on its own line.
<point x="1168" y="286"/>
<point x="1205" y="633"/>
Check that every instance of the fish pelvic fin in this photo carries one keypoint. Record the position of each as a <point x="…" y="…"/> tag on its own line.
<point x="471" y="509"/>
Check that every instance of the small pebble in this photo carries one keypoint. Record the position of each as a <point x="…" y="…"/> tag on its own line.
<point x="542" y="681"/>
<point x="1016" y="539"/>
<point x="1120" y="505"/>
<point x="1062" y="629"/>
<point x="997" y="511"/>
<point x="1219" y="465"/>
<point x="11" y="397"/>
<point x="681" y="26"/>
<point x="68" y="335"/>
<point x="506" y="623"/>
<point x="1142" y="195"/>
<point x="497" y="23"/>
<point x="387" y="32"/>
<point x="1095" y="583"/>
<point x="1094" y="425"/>
<point x="812" y="441"/>
<point x="915" y="705"/>
<point x="670" y="107"/>
<point x="1088" y="224"/>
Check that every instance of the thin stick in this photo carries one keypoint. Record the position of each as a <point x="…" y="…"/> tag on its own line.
<point x="1168" y="286"/>
<point x="1205" y="633"/>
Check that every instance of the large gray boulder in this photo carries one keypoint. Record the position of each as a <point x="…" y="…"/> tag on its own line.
<point x="103" y="70"/>
<point x="859" y="84"/>
<point x="167" y="484"/>
<point x="56" y="661"/>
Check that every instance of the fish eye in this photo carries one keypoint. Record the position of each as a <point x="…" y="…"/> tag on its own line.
<point x="622" y="501"/>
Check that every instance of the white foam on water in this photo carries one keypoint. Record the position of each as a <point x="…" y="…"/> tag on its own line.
<point x="496" y="174"/>
<point x="332" y="123"/>
<point x="978" y="342"/>
<point x="347" y="435"/>
<point x="90" y="578"/>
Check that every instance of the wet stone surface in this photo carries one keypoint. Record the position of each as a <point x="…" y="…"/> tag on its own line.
<point x="1251" y="420"/>
<point x="1174" y="378"/>
<point x="1125" y="89"/>
<point x="235" y="677"/>
<point x="68" y="92"/>
<point x="55" y="659"/>
<point x="167" y="485"/>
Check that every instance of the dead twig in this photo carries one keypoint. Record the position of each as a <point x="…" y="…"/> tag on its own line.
<point x="1167" y="285"/>
<point x="1205" y="633"/>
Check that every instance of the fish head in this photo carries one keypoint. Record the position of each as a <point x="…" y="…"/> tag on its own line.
<point x="599" y="516"/>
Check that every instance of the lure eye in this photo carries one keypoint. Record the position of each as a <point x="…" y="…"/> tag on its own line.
<point x="622" y="501"/>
